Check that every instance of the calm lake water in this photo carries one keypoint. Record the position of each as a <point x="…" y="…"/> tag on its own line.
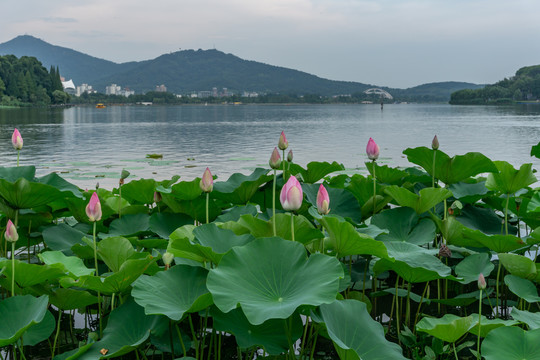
<point x="86" y="145"/>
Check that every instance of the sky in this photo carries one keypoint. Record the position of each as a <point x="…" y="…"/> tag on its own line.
<point x="394" y="43"/>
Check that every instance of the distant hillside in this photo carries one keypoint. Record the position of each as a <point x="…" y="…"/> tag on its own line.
<point x="202" y="70"/>
<point x="524" y="86"/>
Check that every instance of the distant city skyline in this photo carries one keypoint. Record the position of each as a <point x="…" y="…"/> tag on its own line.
<point x="390" y="43"/>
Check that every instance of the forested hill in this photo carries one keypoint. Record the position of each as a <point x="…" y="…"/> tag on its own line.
<point x="524" y="86"/>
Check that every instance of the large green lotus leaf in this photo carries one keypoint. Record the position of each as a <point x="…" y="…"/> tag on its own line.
<point x="128" y="225"/>
<point x="519" y="265"/>
<point x="449" y="328"/>
<point x="139" y="191"/>
<point x="184" y="190"/>
<point x="315" y="170"/>
<point x="69" y="299"/>
<point x="523" y="288"/>
<point x="115" y="251"/>
<point x="531" y="319"/>
<point x="23" y="194"/>
<point x="304" y="231"/>
<point x="508" y="180"/>
<point x="76" y="353"/>
<point x="351" y="328"/>
<point x="195" y="208"/>
<point x="18" y="314"/>
<point x="41" y="331"/>
<point x="174" y="292"/>
<point x="483" y="219"/>
<point x="115" y="283"/>
<point x="535" y="150"/>
<point x="127" y="328"/>
<point x="239" y="188"/>
<point x="534" y="204"/>
<point x="345" y="240"/>
<point x="60" y="183"/>
<point x="163" y="224"/>
<point x="271" y="277"/>
<point x="14" y="173"/>
<point x="342" y="202"/>
<point x="413" y="263"/>
<point x="468" y="192"/>
<point x="62" y="237"/>
<point x="387" y="175"/>
<point x="450" y="170"/>
<point x="31" y="274"/>
<point x="181" y="244"/>
<point x="234" y="213"/>
<point x="72" y="264"/>
<point x="361" y="187"/>
<point x="489" y="324"/>
<point x="166" y="331"/>
<point x="403" y="224"/>
<point x="473" y="265"/>
<point x="118" y="204"/>
<point x="426" y="199"/>
<point x="497" y="243"/>
<point x="271" y="334"/>
<point x="511" y="343"/>
<point x="212" y="242"/>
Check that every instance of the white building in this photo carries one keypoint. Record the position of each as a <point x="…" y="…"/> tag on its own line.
<point x="113" y="89"/>
<point x="69" y="87"/>
<point x="85" y="88"/>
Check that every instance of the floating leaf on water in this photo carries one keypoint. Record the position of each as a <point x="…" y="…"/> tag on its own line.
<point x="154" y="156"/>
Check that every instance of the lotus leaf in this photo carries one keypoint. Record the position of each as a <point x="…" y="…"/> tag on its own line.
<point x="234" y="213"/>
<point x="163" y="224"/>
<point x="271" y="277"/>
<point x="315" y="170"/>
<point x="403" y="224"/>
<point x="472" y="266"/>
<point x="508" y="180"/>
<point x="72" y="264"/>
<point x="62" y="237"/>
<point x="426" y="199"/>
<point x="18" y="314"/>
<point x="386" y="174"/>
<point x="342" y="202"/>
<point x="139" y="191"/>
<point x="128" y="225"/>
<point x="69" y="299"/>
<point x="115" y="251"/>
<point x="239" y="188"/>
<point x="489" y="324"/>
<point x="23" y="194"/>
<point x="449" y="328"/>
<point x="511" y="343"/>
<point x="523" y="288"/>
<point x="531" y="319"/>
<point x="41" y="331"/>
<point x="519" y="265"/>
<point x="468" y="192"/>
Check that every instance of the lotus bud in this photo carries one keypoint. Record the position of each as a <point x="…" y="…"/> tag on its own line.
<point x="17" y="140"/>
<point x="93" y="209"/>
<point x="323" y="201"/>
<point x="167" y="259"/>
<point x="372" y="150"/>
<point x="207" y="181"/>
<point x="289" y="156"/>
<point x="435" y="143"/>
<point x="283" y="143"/>
<point x="481" y="282"/>
<point x="157" y="197"/>
<point x="291" y="195"/>
<point x="275" y="159"/>
<point x="11" y="232"/>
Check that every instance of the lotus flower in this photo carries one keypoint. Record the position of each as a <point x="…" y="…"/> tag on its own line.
<point x="291" y="195"/>
<point x="323" y="201"/>
<point x="207" y="181"/>
<point x="11" y="232"/>
<point x="283" y="143"/>
<point x="481" y="282"/>
<point x="275" y="159"/>
<point x="289" y="156"/>
<point x="372" y="150"/>
<point x="17" y="140"/>
<point x="93" y="209"/>
<point x="435" y="143"/>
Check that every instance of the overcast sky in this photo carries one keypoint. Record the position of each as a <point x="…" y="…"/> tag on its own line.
<point x="395" y="43"/>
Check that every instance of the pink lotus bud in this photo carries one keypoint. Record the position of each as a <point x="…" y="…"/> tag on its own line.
<point x="323" y="201"/>
<point x="275" y="159"/>
<point x="282" y="143"/>
<point x="289" y="156"/>
<point x="481" y="282"/>
<point x="16" y="139"/>
<point x="435" y="143"/>
<point x="11" y="232"/>
<point x="372" y="150"/>
<point x="207" y="181"/>
<point x="291" y="195"/>
<point x="157" y="197"/>
<point x="93" y="209"/>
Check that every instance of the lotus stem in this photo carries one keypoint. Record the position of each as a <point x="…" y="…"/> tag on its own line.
<point x="57" y="332"/>
<point x="433" y="170"/>
<point x="283" y="162"/>
<point x="181" y="340"/>
<point x="304" y="337"/>
<point x="120" y="202"/>
<point x="97" y="274"/>
<point x="314" y="344"/>
<point x="455" y="352"/>
<point x="397" y="310"/>
<point x="478" y="356"/>
<point x="12" y="269"/>
<point x="374" y="189"/>
<point x="194" y="335"/>
<point x="274" y="204"/>
<point x="207" y="202"/>
<point x="497" y="289"/>
<point x="18" y="153"/>
<point x="419" y="306"/>
<point x="408" y="309"/>
<point x="292" y="226"/>
<point x="506" y="214"/>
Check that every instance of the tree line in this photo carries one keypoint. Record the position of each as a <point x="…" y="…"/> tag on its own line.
<point x="25" y="81"/>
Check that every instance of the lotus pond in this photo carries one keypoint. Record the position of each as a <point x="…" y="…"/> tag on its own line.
<point x="433" y="261"/>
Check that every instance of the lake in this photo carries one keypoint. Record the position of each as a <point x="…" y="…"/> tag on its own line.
<point x="86" y="145"/>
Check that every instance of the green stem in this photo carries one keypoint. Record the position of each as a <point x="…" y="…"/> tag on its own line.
<point x="274" y="204"/>
<point x="181" y="340"/>
<point x="506" y="215"/>
<point x="292" y="226"/>
<point x="374" y="189"/>
<point x="18" y="153"/>
<point x="22" y="352"/>
<point x="478" y="356"/>
<point x="13" y="269"/>
<point x="283" y="162"/>
<point x="398" y="318"/>
<point x="420" y="306"/>
<point x="455" y="352"/>
<point x="57" y="332"/>
<point x="97" y="274"/>
<point x="194" y="335"/>
<point x="408" y="309"/>
<point x="497" y="289"/>
<point x="120" y="202"/>
<point x="207" y="202"/>
<point x="433" y="170"/>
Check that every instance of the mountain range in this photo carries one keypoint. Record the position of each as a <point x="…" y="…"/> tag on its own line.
<point x="201" y="70"/>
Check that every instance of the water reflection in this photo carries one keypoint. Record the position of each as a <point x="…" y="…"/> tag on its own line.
<point x="86" y="144"/>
